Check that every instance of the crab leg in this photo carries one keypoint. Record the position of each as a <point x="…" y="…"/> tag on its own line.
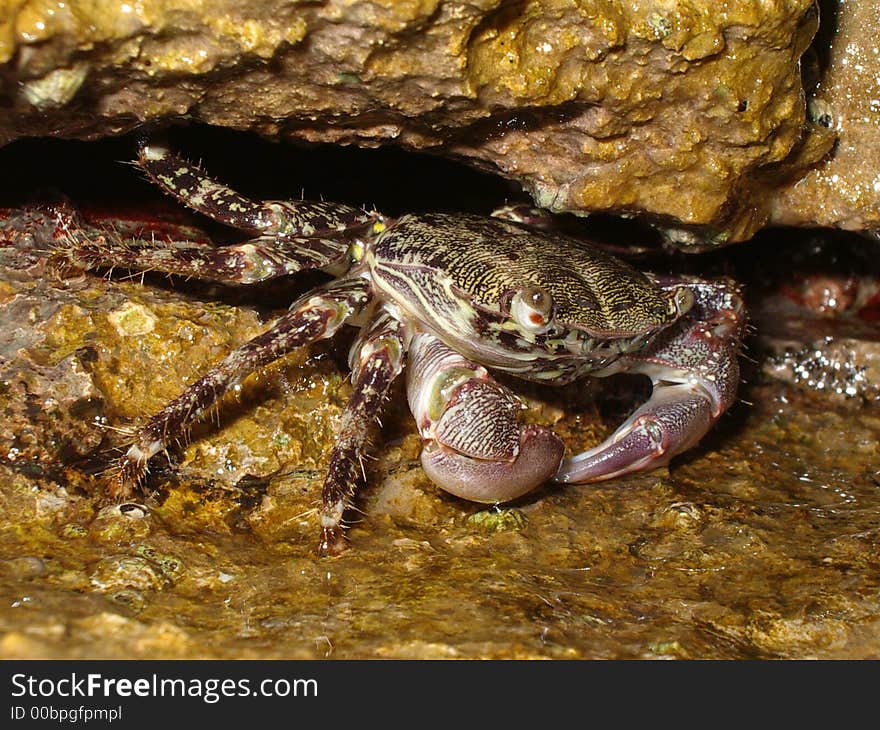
<point x="193" y="188"/>
<point x="476" y="446"/>
<point x="313" y="317"/>
<point x="256" y="260"/>
<point x="377" y="360"/>
<point x="291" y="236"/>
<point x="695" y="373"/>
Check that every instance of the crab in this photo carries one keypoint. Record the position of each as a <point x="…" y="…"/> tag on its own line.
<point x="450" y="299"/>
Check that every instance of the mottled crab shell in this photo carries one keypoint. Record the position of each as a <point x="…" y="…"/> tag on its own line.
<point x="444" y="264"/>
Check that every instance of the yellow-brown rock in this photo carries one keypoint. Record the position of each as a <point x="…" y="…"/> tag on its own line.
<point x="844" y="191"/>
<point x="677" y="108"/>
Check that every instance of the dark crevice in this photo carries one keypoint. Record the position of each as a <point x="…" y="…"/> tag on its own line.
<point x="392" y="180"/>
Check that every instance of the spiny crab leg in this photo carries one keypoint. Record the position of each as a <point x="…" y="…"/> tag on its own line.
<point x="377" y="359"/>
<point x="293" y="235"/>
<point x="695" y="374"/>
<point x="290" y="235"/>
<point x="476" y="446"/>
<point x="201" y="193"/>
<point x="244" y="263"/>
<point x="313" y="317"/>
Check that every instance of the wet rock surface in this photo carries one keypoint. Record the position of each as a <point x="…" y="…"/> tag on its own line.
<point x="691" y="111"/>
<point x="760" y="542"/>
<point x="843" y="190"/>
<point x="817" y="316"/>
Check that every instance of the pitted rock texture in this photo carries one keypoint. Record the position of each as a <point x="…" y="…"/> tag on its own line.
<point x="844" y="191"/>
<point x="690" y="110"/>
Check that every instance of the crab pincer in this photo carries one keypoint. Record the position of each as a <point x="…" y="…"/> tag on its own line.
<point x="476" y="446"/>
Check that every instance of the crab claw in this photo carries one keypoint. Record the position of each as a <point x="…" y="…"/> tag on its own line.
<point x="676" y="417"/>
<point x="695" y="372"/>
<point x="476" y="447"/>
<point x="490" y="482"/>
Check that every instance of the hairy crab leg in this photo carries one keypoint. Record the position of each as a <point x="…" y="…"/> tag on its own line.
<point x="695" y="373"/>
<point x="298" y="219"/>
<point x="476" y="446"/>
<point x="315" y="316"/>
<point x="377" y="359"/>
<point x="256" y="260"/>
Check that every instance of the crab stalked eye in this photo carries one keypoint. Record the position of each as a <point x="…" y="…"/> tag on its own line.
<point x="532" y="308"/>
<point x="682" y="300"/>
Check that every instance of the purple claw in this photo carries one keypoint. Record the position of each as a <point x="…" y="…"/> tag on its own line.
<point x="490" y="482"/>
<point x="476" y="446"/>
<point x="695" y="373"/>
<point x="676" y="417"/>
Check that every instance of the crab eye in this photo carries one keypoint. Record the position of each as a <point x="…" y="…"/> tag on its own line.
<point x="683" y="299"/>
<point x="532" y="308"/>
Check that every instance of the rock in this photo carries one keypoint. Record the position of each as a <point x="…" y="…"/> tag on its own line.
<point x="498" y="520"/>
<point x="835" y="366"/>
<point x="23" y="567"/>
<point x="120" y="522"/>
<point x="844" y="189"/>
<point x="117" y="572"/>
<point x="688" y="111"/>
<point x="816" y="312"/>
